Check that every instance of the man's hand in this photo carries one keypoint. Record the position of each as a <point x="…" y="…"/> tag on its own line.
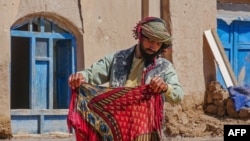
<point x="158" y="85"/>
<point x="75" y="80"/>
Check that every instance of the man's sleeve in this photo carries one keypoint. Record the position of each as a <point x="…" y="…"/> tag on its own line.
<point x="98" y="73"/>
<point x="174" y="94"/>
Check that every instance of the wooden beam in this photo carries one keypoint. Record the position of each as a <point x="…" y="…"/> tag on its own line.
<point x="165" y="15"/>
<point x="145" y="8"/>
<point x="220" y="58"/>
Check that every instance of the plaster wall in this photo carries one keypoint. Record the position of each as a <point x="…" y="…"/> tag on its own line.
<point x="108" y="27"/>
<point x="5" y="22"/>
<point x="154" y="8"/>
<point x="102" y="27"/>
<point x="191" y="54"/>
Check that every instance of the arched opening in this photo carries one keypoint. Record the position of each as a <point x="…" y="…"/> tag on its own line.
<point x="42" y="58"/>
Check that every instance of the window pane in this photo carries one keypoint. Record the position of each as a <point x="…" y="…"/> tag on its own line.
<point x="41" y="47"/>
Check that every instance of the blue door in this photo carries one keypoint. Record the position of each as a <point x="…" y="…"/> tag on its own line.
<point x="42" y="58"/>
<point x="235" y="38"/>
<point x="40" y="86"/>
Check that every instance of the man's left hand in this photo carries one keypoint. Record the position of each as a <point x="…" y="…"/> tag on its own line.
<point x="158" y="85"/>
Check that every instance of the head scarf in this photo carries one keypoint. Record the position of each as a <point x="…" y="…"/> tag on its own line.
<point x="153" y="28"/>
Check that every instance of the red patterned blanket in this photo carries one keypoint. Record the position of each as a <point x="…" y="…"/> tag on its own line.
<point x="98" y="113"/>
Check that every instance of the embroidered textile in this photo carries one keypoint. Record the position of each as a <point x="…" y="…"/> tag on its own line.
<point x="100" y="113"/>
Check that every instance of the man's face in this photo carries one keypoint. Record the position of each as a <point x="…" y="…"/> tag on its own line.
<point x="149" y="48"/>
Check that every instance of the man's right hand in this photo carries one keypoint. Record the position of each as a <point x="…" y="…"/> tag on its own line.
<point x="75" y="80"/>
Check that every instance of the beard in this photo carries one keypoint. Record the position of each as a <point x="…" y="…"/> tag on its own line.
<point x="148" y="57"/>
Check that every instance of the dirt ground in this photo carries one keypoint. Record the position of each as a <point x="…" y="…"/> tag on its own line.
<point x="198" y="124"/>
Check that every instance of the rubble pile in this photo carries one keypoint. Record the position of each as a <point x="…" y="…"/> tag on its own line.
<point x="219" y="103"/>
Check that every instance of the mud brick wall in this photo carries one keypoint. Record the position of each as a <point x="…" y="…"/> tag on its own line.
<point x="218" y="102"/>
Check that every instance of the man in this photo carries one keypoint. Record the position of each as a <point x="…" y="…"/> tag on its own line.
<point x="138" y="65"/>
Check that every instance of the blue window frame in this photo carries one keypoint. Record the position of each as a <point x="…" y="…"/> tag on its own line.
<point x="42" y="58"/>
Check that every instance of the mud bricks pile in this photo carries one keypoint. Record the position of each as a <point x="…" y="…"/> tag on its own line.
<point x="218" y="102"/>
